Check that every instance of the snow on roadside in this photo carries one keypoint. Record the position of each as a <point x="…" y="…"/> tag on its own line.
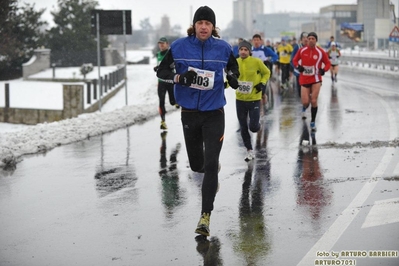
<point x="46" y="136"/>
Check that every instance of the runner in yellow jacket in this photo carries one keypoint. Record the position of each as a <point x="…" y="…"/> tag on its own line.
<point x="253" y="77"/>
<point x="284" y="51"/>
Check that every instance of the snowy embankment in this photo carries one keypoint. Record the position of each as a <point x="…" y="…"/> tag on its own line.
<point x="143" y="104"/>
<point x="43" y="137"/>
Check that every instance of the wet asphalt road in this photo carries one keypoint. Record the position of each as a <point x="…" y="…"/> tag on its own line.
<point x="129" y="198"/>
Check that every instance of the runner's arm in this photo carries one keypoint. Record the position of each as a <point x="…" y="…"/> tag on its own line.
<point x="271" y="53"/>
<point x="293" y="55"/>
<point x="295" y="60"/>
<point x="265" y="72"/>
<point x="326" y="61"/>
<point x="165" y="70"/>
<point x="232" y="66"/>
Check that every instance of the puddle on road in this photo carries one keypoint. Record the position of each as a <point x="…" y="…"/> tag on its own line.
<point x="111" y="179"/>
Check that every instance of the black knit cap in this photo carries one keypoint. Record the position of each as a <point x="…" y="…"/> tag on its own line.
<point x="313" y="34"/>
<point x="205" y="13"/>
<point x="246" y="44"/>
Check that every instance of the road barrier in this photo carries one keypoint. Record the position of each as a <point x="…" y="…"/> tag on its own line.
<point x="391" y="64"/>
<point x="73" y="100"/>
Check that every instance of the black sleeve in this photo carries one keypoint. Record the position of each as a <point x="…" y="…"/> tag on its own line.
<point x="232" y="65"/>
<point x="166" y="68"/>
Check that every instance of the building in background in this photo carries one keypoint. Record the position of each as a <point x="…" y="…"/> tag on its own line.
<point x="277" y="25"/>
<point x="378" y="17"/>
<point x="245" y="12"/>
<point x="367" y="24"/>
<point x="371" y="20"/>
<point x="330" y="20"/>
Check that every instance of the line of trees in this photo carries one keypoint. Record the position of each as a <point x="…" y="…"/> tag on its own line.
<point x="22" y="31"/>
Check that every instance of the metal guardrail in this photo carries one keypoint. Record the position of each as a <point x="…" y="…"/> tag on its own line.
<point x="385" y="63"/>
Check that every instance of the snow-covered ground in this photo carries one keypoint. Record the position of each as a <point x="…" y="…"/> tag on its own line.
<point x="18" y="140"/>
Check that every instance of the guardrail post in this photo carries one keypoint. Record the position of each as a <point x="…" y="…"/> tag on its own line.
<point x="88" y="88"/>
<point x="7" y="101"/>
<point x="7" y="95"/>
<point x="111" y="80"/>
<point x="101" y="86"/>
<point x="94" y="89"/>
<point x="106" y="83"/>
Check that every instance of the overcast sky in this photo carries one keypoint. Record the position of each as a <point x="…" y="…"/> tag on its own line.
<point x="179" y="10"/>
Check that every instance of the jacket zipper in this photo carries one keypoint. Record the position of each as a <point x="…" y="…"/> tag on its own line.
<point x="199" y="96"/>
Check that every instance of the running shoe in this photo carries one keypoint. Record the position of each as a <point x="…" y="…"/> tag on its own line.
<point x="203" y="224"/>
<point x="163" y="125"/>
<point x="313" y="126"/>
<point x="250" y="156"/>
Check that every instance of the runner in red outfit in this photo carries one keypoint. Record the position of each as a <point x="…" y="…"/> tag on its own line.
<point x="312" y="62"/>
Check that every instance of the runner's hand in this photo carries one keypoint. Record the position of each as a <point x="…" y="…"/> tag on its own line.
<point x="187" y="78"/>
<point x="300" y="68"/>
<point x="233" y="82"/>
<point x="156" y="68"/>
<point x="259" y="87"/>
<point x="321" y="71"/>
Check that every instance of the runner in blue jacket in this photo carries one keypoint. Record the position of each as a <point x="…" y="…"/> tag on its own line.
<point x="201" y="60"/>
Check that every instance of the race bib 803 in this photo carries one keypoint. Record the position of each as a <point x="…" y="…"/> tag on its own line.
<point x="204" y="80"/>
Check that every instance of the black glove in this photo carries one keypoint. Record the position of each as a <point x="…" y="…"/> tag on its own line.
<point x="156" y="68"/>
<point x="301" y="68"/>
<point x="259" y="87"/>
<point x="321" y="71"/>
<point x="233" y="82"/>
<point x="187" y="78"/>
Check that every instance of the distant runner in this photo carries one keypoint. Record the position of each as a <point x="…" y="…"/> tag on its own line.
<point x="334" y="54"/>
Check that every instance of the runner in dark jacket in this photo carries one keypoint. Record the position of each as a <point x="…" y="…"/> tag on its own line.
<point x="164" y="87"/>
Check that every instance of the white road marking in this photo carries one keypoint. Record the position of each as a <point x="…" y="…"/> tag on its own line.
<point x="331" y="236"/>
<point x="383" y="212"/>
